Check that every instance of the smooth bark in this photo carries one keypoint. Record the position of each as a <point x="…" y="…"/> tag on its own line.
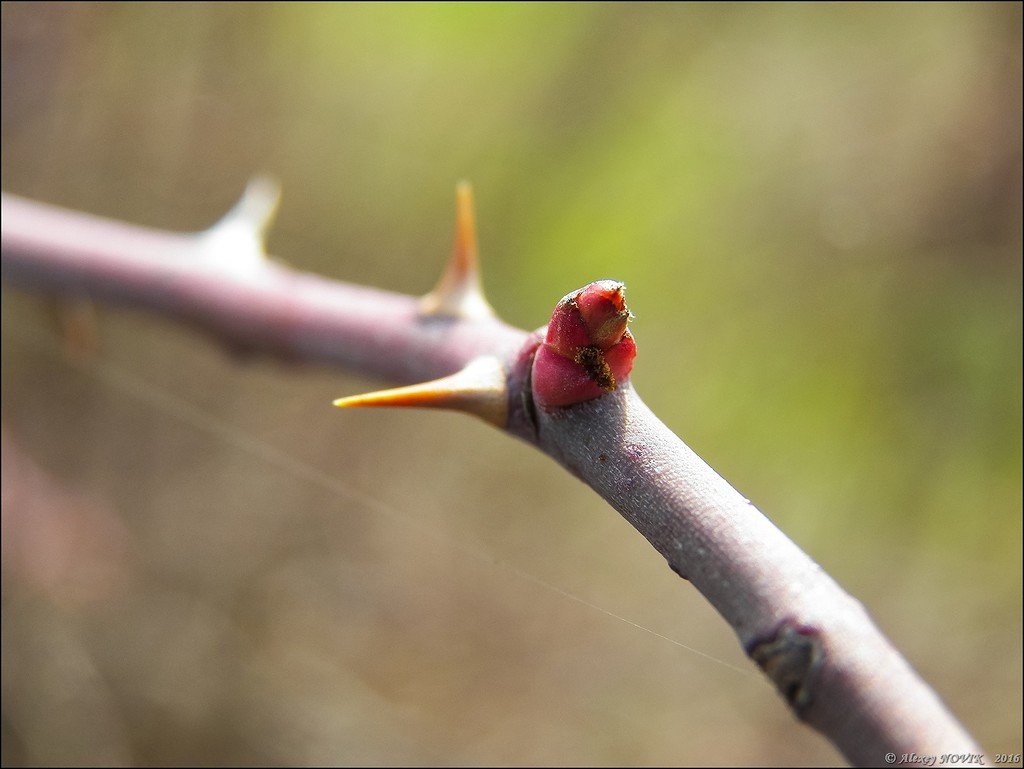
<point x="815" y="642"/>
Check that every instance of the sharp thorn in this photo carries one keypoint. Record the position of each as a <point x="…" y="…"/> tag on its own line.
<point x="240" y="234"/>
<point x="258" y="205"/>
<point x="459" y="293"/>
<point x="479" y="389"/>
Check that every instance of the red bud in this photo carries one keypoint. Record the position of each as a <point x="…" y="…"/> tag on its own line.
<point x="603" y="307"/>
<point x="587" y="350"/>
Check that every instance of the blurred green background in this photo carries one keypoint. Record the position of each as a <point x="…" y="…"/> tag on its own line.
<point x="817" y="212"/>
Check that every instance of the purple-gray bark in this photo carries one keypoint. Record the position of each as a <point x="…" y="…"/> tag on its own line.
<point x="816" y="643"/>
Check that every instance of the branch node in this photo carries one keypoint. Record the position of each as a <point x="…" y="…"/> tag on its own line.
<point x="791" y="658"/>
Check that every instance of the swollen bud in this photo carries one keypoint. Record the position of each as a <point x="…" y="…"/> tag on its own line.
<point x="587" y="350"/>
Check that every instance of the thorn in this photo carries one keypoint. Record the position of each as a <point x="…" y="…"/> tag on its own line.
<point x="459" y="293"/>
<point x="76" y="317"/>
<point x="258" y="205"/>
<point x="240" y="235"/>
<point x="479" y="389"/>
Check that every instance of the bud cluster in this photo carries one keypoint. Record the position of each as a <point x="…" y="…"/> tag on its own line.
<point x="587" y="350"/>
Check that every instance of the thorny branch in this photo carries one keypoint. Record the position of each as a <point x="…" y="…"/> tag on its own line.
<point x="817" y="644"/>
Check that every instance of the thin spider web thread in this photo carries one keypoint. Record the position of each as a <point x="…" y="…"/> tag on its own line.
<point x="187" y="413"/>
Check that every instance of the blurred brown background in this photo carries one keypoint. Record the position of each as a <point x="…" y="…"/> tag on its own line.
<point x="817" y="210"/>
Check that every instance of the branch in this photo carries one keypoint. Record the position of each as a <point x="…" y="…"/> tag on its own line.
<point x="567" y="393"/>
<point x="221" y="281"/>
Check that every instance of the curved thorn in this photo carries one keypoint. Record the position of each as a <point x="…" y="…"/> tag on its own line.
<point x="479" y="389"/>
<point x="459" y="293"/>
<point x="258" y="205"/>
<point x="239" y="236"/>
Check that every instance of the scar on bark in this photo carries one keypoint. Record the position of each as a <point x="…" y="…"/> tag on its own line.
<point x="791" y="658"/>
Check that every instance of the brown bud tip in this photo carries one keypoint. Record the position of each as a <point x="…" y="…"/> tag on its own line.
<point x="603" y="307"/>
<point x="587" y="350"/>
